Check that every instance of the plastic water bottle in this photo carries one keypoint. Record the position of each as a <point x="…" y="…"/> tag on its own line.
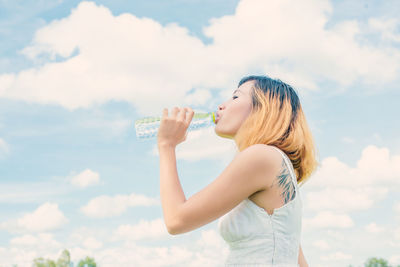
<point x="147" y="128"/>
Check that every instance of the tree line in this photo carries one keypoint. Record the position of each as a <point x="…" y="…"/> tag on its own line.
<point x="63" y="261"/>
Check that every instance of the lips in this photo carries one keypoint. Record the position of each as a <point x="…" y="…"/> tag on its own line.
<point x="217" y="118"/>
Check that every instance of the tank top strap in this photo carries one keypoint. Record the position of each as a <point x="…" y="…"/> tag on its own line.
<point x="289" y="166"/>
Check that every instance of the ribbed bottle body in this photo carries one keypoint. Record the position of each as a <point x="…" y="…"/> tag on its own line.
<point x="147" y="128"/>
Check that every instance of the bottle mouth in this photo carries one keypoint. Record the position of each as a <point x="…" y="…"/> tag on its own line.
<point x="214" y="115"/>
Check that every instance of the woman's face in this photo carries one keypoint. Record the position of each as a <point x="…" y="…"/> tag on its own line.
<point x="234" y="112"/>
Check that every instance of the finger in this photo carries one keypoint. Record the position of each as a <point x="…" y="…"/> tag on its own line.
<point x="165" y="113"/>
<point x="189" y="117"/>
<point x="174" y="112"/>
<point x="182" y="115"/>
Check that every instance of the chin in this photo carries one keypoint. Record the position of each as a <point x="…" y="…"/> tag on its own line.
<point x="223" y="134"/>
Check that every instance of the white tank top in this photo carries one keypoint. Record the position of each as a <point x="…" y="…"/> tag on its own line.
<point x="256" y="238"/>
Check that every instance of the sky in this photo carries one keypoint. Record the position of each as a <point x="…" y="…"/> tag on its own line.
<point x="74" y="75"/>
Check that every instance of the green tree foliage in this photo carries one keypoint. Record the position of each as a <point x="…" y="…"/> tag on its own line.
<point x="375" y="262"/>
<point x="65" y="259"/>
<point x="87" y="262"/>
<point x="40" y="262"/>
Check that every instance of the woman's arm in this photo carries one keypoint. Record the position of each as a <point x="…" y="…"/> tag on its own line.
<point x="302" y="260"/>
<point x="251" y="170"/>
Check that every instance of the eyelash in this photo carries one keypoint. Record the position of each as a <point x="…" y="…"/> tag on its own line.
<point x="233" y="97"/>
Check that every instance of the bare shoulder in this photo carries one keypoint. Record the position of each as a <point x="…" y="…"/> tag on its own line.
<point x="267" y="159"/>
<point x="266" y="154"/>
<point x="263" y="149"/>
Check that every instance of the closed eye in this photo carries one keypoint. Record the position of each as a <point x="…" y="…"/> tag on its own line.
<point x="233" y="97"/>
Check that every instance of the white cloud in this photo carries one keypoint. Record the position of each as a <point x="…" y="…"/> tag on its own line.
<point x="85" y="178"/>
<point x="321" y="244"/>
<point x="335" y="234"/>
<point x="45" y="217"/>
<point x="92" y="238"/>
<point x="26" y="240"/>
<point x="397" y="233"/>
<point x="21" y="256"/>
<point x="396" y="208"/>
<point x="344" y="199"/>
<point x="212" y="247"/>
<point x="336" y="256"/>
<point x="386" y="27"/>
<point x="208" y="250"/>
<point x="113" y="124"/>
<point x="4" y="147"/>
<point x="106" y="60"/>
<point x="39" y="240"/>
<point x="394" y="259"/>
<point x="198" y="97"/>
<point x="31" y="192"/>
<point x="374" y="228"/>
<point x="78" y="253"/>
<point x="210" y="238"/>
<point x="378" y="166"/>
<point x="375" y="167"/>
<point x="143" y="230"/>
<point x="327" y="219"/>
<point x="92" y="243"/>
<point x="337" y="187"/>
<point x="106" y="206"/>
<point x="120" y="67"/>
<point x="336" y="190"/>
<point x="143" y="255"/>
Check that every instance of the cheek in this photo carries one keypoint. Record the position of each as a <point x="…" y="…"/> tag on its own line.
<point x="244" y="111"/>
<point x="237" y="114"/>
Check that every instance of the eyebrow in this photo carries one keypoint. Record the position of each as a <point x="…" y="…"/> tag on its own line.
<point x="237" y="90"/>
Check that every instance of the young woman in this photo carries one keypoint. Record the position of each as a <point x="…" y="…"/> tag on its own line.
<point x="257" y="197"/>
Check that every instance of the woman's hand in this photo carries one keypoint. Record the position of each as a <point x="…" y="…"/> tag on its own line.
<point x="173" y="130"/>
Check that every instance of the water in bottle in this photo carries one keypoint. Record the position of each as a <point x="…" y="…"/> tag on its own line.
<point x="147" y="128"/>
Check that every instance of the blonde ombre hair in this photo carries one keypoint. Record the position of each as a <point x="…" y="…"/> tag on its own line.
<point x="277" y="119"/>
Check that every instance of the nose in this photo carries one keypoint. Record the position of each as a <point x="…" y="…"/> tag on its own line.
<point x="220" y="107"/>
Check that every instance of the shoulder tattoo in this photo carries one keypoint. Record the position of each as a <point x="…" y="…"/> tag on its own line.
<point x="285" y="183"/>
